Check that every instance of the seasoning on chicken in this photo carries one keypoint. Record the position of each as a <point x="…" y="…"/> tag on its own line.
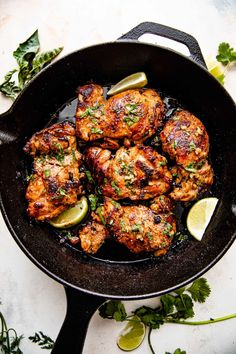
<point x="55" y="183"/>
<point x="188" y="184"/>
<point x="138" y="227"/>
<point x="185" y="139"/>
<point x="132" y="114"/>
<point x="162" y="204"/>
<point x="135" y="173"/>
<point x="92" y="236"/>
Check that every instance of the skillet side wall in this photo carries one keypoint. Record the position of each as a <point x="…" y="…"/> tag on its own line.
<point x="107" y="63"/>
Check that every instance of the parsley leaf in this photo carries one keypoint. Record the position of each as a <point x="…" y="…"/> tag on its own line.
<point x="226" y="54"/>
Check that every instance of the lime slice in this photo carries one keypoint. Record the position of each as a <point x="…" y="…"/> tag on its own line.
<point x="132" y="335"/>
<point x="72" y="216"/>
<point x="200" y="215"/>
<point x="137" y="80"/>
<point x="216" y="69"/>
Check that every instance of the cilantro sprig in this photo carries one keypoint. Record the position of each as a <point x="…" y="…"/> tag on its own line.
<point x="10" y="341"/>
<point x="30" y="62"/>
<point x="175" y="307"/>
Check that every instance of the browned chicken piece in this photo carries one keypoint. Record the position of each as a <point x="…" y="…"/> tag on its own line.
<point x="138" y="227"/>
<point x="132" y="114"/>
<point x="136" y="173"/>
<point x="185" y="139"/>
<point x="98" y="161"/>
<point x="189" y="184"/>
<point x="55" y="183"/>
<point x="59" y="138"/>
<point x="92" y="236"/>
<point x="162" y="204"/>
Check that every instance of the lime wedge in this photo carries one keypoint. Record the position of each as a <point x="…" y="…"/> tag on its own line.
<point x="72" y="216"/>
<point x="137" y="80"/>
<point x="216" y="69"/>
<point x="200" y="215"/>
<point x="132" y="335"/>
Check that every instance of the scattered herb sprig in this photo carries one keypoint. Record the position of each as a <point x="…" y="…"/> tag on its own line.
<point x="10" y="341"/>
<point x="30" y="62"/>
<point x="226" y="55"/>
<point x="175" y="307"/>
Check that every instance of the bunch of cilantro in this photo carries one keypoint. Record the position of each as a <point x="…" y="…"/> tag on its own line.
<point x="175" y="307"/>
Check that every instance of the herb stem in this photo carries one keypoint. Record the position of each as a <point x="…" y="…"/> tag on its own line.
<point x="149" y="341"/>
<point x="200" y="323"/>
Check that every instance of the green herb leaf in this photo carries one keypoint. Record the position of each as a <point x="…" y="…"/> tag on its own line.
<point x="116" y="188"/>
<point x="113" y="309"/>
<point x="93" y="201"/>
<point x="43" y="59"/>
<point x="8" y="87"/>
<point x="44" y="341"/>
<point x="199" y="290"/>
<point x="96" y="130"/>
<point x="28" y="49"/>
<point x="167" y="302"/>
<point x="184" y="306"/>
<point x="99" y="212"/>
<point x="29" y="64"/>
<point x="150" y="317"/>
<point x="226" y="54"/>
<point x="89" y="176"/>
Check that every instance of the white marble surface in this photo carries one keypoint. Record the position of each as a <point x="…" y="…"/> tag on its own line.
<point x="32" y="301"/>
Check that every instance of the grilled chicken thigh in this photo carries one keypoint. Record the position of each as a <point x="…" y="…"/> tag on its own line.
<point x="188" y="184"/>
<point x="55" y="183"/>
<point x="136" y="173"/>
<point x="137" y="227"/>
<point x="185" y="139"/>
<point x="92" y="236"/>
<point x="132" y="114"/>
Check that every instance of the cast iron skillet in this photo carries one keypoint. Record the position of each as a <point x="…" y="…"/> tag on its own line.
<point x="88" y="281"/>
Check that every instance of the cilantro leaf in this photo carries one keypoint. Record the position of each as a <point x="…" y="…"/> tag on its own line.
<point x="184" y="307"/>
<point x="226" y="54"/>
<point x="44" y="341"/>
<point x="177" y="351"/>
<point x="199" y="290"/>
<point x="167" y="302"/>
<point x="113" y="309"/>
<point x="150" y="317"/>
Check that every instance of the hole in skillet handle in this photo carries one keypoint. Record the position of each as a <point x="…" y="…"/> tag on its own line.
<point x="168" y="32"/>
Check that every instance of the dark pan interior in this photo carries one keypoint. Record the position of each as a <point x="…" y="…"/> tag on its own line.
<point x="107" y="63"/>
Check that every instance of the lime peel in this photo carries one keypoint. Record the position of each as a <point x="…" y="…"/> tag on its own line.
<point x="71" y="216"/>
<point x="132" y="335"/>
<point x="200" y="215"/>
<point x="134" y="81"/>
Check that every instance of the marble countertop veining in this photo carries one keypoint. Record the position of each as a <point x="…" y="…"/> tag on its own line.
<point x="32" y="301"/>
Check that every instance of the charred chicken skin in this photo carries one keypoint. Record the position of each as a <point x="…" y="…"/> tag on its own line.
<point x="187" y="184"/>
<point x="132" y="114"/>
<point x="185" y="139"/>
<point x="135" y="173"/>
<point x="137" y="227"/>
<point x="55" y="182"/>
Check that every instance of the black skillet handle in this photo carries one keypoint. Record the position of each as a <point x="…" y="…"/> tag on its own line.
<point x="168" y="32"/>
<point x="7" y="128"/>
<point x="80" y="308"/>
